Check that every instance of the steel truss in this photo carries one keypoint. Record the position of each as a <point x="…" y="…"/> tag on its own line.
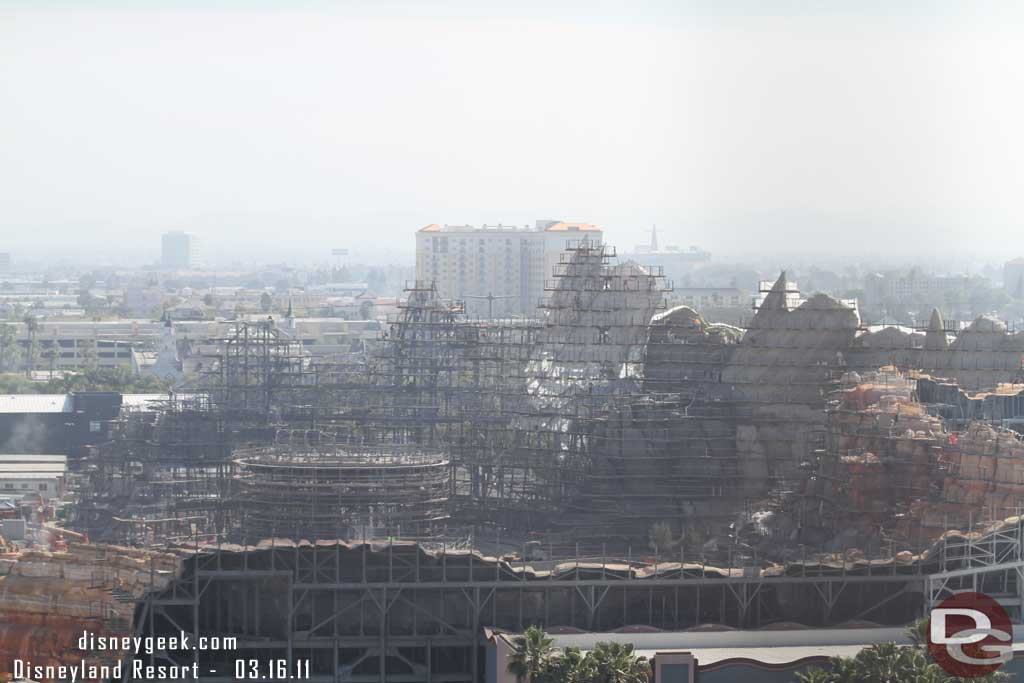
<point x="396" y="612"/>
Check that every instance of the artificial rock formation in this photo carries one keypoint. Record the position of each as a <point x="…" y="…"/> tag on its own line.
<point x="47" y="599"/>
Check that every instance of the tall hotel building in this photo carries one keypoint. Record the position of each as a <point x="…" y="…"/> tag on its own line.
<point x="508" y="263"/>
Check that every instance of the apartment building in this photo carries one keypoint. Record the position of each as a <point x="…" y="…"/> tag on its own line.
<point x="179" y="250"/>
<point x="913" y="285"/>
<point x="703" y="298"/>
<point x="64" y="345"/>
<point x="498" y="270"/>
<point x="139" y="344"/>
<point x="1013" y="278"/>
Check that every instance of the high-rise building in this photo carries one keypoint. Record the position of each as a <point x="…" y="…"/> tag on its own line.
<point x="1013" y="278"/>
<point x="497" y="270"/>
<point x="5" y="262"/>
<point x="179" y="250"/>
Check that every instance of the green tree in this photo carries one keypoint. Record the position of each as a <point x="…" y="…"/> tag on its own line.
<point x="534" y="656"/>
<point x="32" y="328"/>
<point x="536" y="660"/>
<point x="87" y="352"/>
<point x="890" y="663"/>
<point x="572" y="666"/>
<point x="8" y="347"/>
<point x="660" y="537"/>
<point x="918" y="633"/>
<point x="18" y="384"/>
<point x="50" y="355"/>
<point x="97" y="379"/>
<point x="616" y="663"/>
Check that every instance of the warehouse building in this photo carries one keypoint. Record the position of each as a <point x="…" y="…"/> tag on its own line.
<point x="24" y="474"/>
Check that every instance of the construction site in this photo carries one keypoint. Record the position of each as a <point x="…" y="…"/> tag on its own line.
<point x="612" y="463"/>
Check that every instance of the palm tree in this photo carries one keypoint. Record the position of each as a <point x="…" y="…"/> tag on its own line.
<point x="50" y="354"/>
<point x="573" y="667"/>
<point x="660" y="537"/>
<point x="86" y="349"/>
<point x="7" y="345"/>
<point x="533" y="657"/>
<point x="32" y="326"/>
<point x="537" y="661"/>
<point x="889" y="663"/>
<point x="918" y="633"/>
<point x="616" y="663"/>
<point x="816" y="675"/>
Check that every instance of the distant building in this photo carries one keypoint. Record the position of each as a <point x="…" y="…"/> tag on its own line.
<point x="166" y="348"/>
<point x="144" y="300"/>
<point x="179" y="250"/>
<point x="714" y="656"/>
<point x="1013" y="278"/>
<point x="64" y="345"/>
<point x="676" y="263"/>
<point x="509" y="263"/>
<point x="914" y="286"/>
<point x="5" y="263"/>
<point x="56" y="423"/>
<point x="33" y="474"/>
<point x="703" y="298"/>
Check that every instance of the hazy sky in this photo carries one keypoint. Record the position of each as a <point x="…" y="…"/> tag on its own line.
<point x="287" y="128"/>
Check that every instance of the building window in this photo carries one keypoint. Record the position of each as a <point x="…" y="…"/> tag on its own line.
<point x="95" y="426"/>
<point x="42" y="487"/>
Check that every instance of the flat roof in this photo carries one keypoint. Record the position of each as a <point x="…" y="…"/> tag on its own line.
<point x="35" y="403"/>
<point x="567" y="226"/>
<point x="707" y="656"/>
<point x="47" y="469"/>
<point x="30" y="458"/>
<point x="798" y="642"/>
<point x="142" y="400"/>
<point x="153" y="401"/>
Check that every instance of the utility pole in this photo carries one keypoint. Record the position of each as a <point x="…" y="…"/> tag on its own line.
<point x="490" y="301"/>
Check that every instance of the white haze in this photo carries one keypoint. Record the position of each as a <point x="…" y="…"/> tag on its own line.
<point x="280" y="133"/>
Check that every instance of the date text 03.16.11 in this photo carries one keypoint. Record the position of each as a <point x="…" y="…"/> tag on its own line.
<point x="271" y="670"/>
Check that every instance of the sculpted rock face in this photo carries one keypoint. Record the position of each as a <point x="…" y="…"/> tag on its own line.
<point x="48" y="599"/>
<point x="777" y="375"/>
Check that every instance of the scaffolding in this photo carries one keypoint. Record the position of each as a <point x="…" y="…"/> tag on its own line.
<point x="399" y="611"/>
<point x="604" y="417"/>
<point x="328" y="491"/>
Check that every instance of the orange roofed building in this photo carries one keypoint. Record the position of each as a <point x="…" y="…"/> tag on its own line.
<point x="498" y="270"/>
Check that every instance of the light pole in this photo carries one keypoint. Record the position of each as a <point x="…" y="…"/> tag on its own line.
<point x="490" y="301"/>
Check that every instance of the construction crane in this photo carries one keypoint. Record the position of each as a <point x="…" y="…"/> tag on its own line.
<point x="490" y="301"/>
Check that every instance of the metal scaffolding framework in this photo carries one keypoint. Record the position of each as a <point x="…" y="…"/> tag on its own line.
<point x="395" y="611"/>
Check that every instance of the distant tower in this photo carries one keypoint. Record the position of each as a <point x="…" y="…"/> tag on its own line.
<point x="654" y="238"/>
<point x="179" y="250"/>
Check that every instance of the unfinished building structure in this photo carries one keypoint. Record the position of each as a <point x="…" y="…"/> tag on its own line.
<point x="588" y="469"/>
<point x="167" y="471"/>
<point x="590" y="425"/>
<point x="399" y="612"/>
<point x="341" y="492"/>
